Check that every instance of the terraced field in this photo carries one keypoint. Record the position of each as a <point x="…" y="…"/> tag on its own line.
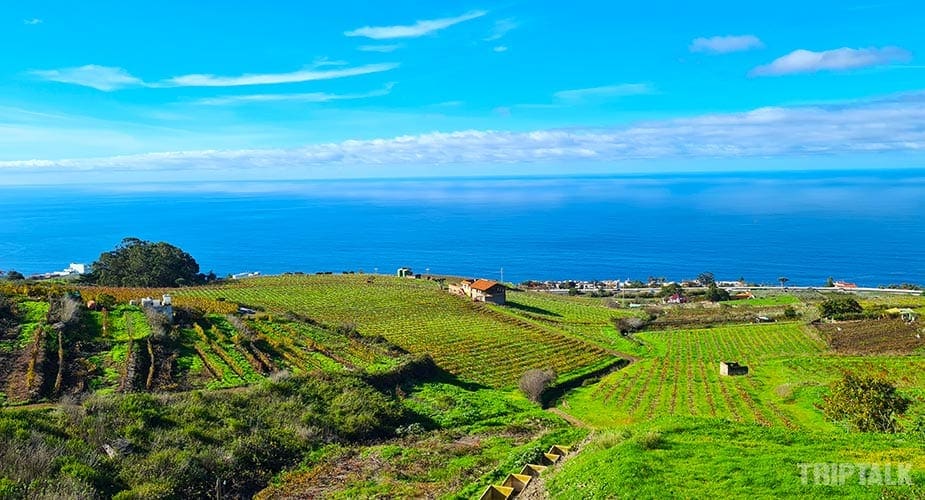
<point x="472" y="341"/>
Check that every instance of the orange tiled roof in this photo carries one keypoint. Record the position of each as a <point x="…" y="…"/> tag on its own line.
<point x="483" y="285"/>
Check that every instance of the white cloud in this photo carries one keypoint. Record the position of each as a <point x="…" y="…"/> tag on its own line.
<point x="392" y="47"/>
<point x="500" y="48"/>
<point x="307" y="75"/>
<point x="890" y="125"/>
<point x="726" y="44"/>
<point x="107" y="78"/>
<point x="502" y="27"/>
<point x="607" y="91"/>
<point x="418" y="29"/>
<point x="32" y="22"/>
<point x="807" y="61"/>
<point x="316" y="97"/>
<point x="103" y="78"/>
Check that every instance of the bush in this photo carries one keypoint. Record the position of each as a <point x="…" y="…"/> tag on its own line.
<point x="534" y="382"/>
<point x="629" y="325"/>
<point x="790" y="313"/>
<point x="840" y="307"/>
<point x="716" y="294"/>
<point x="866" y="404"/>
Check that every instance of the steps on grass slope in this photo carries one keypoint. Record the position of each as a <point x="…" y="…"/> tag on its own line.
<point x="515" y="483"/>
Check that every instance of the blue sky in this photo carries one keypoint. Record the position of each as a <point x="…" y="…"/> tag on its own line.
<point x="275" y="90"/>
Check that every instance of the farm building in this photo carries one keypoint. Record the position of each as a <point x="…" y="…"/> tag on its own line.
<point x="731" y="368"/>
<point x="676" y="299"/>
<point x="163" y="306"/>
<point x="481" y="290"/>
<point x="404" y="272"/>
<point x="844" y="285"/>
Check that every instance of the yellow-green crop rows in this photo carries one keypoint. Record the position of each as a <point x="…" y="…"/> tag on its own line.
<point x="465" y="339"/>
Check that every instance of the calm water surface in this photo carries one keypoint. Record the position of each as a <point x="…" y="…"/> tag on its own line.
<point x="859" y="226"/>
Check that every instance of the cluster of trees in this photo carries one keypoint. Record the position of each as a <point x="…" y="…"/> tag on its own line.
<point x="140" y="263"/>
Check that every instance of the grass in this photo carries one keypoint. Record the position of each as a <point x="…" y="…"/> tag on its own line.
<point x="702" y="458"/>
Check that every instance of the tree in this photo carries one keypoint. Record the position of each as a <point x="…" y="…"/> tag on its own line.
<point x="829" y="282"/>
<point x="534" y="382"/>
<point x="867" y="404"/>
<point x="837" y="307"/>
<point x="14" y="275"/>
<point x="716" y="294"/>
<point x="671" y="289"/>
<point x="783" y="279"/>
<point x="706" y="279"/>
<point x="142" y="263"/>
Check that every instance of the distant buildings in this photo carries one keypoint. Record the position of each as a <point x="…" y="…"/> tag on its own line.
<point x="404" y="272"/>
<point x="73" y="269"/>
<point x="481" y="290"/>
<point x="844" y="285"/>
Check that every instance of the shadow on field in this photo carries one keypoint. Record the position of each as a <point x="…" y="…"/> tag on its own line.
<point x="531" y="309"/>
<point x="552" y="394"/>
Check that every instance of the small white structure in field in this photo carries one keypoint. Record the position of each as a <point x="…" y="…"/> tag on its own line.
<point x="732" y="369"/>
<point x="163" y="306"/>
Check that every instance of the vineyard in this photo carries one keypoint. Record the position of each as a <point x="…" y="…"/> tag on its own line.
<point x="683" y="379"/>
<point x="472" y="341"/>
<point x="124" y="350"/>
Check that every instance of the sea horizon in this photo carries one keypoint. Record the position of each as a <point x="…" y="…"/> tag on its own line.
<point x="855" y="225"/>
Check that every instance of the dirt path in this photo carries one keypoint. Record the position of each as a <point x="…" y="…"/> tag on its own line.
<point x="569" y="418"/>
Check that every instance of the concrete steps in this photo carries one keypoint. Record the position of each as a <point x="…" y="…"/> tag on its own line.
<point x="515" y="483"/>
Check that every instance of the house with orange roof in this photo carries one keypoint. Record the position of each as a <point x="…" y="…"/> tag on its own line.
<point x="481" y="290"/>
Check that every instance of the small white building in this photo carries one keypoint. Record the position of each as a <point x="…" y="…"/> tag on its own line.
<point x="163" y="306"/>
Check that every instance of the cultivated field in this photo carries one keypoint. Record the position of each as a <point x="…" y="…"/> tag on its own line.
<point x="475" y="342"/>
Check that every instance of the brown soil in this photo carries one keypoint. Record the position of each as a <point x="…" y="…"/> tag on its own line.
<point x="882" y="336"/>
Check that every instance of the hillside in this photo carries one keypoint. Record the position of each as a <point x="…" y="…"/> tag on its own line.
<point x="377" y="386"/>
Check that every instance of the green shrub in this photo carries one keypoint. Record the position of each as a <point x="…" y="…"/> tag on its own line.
<point x="866" y="404"/>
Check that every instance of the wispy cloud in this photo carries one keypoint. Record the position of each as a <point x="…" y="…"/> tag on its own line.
<point x="418" y="29"/>
<point x="726" y="44"/>
<point x="890" y="125"/>
<point x="502" y="27"/>
<point x="105" y="78"/>
<point x="310" y="97"/>
<point x="386" y="48"/>
<point x="807" y="61"/>
<point x="108" y="78"/>
<point x="604" y="92"/>
<point x="500" y="48"/>
<point x="32" y="22"/>
<point x="307" y="75"/>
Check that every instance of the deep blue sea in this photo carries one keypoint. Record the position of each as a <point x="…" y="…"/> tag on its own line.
<point x="862" y="226"/>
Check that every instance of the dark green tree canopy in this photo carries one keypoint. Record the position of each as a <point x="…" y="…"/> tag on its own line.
<point x="840" y="307"/>
<point x="137" y="262"/>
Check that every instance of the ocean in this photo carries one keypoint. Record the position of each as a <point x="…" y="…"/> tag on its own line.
<point x="860" y="226"/>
